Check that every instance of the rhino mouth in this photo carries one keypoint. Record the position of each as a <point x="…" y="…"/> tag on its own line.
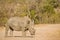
<point x="33" y="34"/>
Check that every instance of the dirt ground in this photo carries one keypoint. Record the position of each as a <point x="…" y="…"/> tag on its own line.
<point x="43" y="32"/>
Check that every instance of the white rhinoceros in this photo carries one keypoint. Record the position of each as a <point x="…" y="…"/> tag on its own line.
<point x="20" y="24"/>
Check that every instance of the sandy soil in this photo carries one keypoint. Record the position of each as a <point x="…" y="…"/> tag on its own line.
<point x="43" y="32"/>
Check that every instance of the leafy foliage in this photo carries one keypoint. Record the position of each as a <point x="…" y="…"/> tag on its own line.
<point x="41" y="11"/>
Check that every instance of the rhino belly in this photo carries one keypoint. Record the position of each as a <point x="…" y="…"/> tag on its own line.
<point x="15" y="27"/>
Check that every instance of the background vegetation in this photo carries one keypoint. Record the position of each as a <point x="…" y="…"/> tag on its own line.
<point x="41" y="11"/>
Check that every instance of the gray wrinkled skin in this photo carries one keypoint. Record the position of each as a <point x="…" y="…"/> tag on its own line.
<point x="20" y="24"/>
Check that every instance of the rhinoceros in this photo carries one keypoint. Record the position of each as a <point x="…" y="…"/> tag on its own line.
<point x="20" y="24"/>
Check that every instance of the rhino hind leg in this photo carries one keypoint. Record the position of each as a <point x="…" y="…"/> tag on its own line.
<point x="6" y="30"/>
<point x="11" y="31"/>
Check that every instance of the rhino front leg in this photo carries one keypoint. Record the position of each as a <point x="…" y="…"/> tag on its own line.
<point x="23" y="32"/>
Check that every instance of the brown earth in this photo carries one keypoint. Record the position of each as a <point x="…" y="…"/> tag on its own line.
<point x="43" y="32"/>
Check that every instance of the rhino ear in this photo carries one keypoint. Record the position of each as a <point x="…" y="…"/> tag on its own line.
<point x="28" y="22"/>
